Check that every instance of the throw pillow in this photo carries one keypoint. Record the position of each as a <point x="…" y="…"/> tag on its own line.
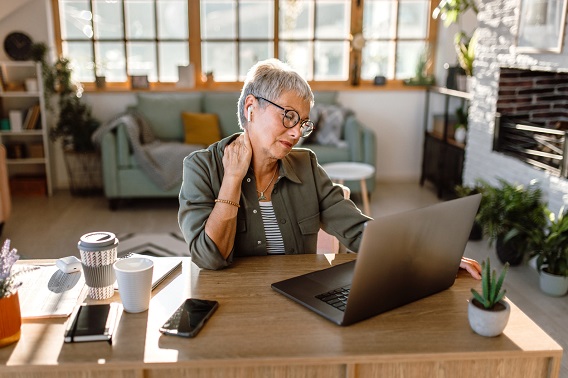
<point x="201" y="128"/>
<point x="329" y="121"/>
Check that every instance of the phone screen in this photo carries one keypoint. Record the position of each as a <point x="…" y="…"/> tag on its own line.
<point x="189" y="318"/>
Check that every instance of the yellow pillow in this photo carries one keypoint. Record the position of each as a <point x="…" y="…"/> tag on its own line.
<point x="201" y="128"/>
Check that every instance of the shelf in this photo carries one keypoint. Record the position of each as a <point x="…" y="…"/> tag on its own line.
<point x="25" y="161"/>
<point x="23" y="132"/>
<point x="29" y="148"/>
<point x="451" y="92"/>
<point x="18" y="94"/>
<point x="450" y="141"/>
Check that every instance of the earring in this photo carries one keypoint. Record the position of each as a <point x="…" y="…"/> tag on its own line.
<point x="249" y="113"/>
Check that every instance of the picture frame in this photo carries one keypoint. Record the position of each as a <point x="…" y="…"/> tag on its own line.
<point x="541" y="26"/>
<point x="139" y="82"/>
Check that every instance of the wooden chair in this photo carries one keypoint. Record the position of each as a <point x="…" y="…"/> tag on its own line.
<point x="328" y="243"/>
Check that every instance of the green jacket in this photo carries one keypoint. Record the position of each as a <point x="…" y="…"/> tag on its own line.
<point x="303" y="197"/>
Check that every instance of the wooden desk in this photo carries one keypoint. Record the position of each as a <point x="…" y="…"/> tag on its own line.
<point x="257" y="332"/>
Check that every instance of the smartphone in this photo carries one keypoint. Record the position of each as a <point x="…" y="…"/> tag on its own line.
<point x="189" y="318"/>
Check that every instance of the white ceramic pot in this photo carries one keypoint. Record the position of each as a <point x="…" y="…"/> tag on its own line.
<point x="460" y="134"/>
<point x="486" y="322"/>
<point x="553" y="285"/>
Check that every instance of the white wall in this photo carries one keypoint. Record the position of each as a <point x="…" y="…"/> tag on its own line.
<point x="395" y="116"/>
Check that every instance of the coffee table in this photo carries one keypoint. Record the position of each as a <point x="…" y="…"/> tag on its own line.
<point x="352" y="171"/>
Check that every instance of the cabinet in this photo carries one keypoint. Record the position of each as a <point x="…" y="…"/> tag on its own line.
<point x="23" y="127"/>
<point x="442" y="156"/>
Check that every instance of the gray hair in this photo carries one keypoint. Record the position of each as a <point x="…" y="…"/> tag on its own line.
<point x="270" y="79"/>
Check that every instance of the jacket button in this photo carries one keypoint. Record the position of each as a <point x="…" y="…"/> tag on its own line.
<point x="248" y="179"/>
<point x="259" y="242"/>
<point x="254" y="211"/>
<point x="275" y="191"/>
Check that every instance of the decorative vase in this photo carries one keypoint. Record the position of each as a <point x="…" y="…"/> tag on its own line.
<point x="10" y="320"/>
<point x="553" y="285"/>
<point x="489" y="323"/>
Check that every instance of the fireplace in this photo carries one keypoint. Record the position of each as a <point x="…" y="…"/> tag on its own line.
<point x="531" y="122"/>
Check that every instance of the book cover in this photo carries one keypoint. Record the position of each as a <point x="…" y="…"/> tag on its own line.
<point x="94" y="322"/>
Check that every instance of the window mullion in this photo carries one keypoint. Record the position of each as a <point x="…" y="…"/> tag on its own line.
<point x="156" y="41"/>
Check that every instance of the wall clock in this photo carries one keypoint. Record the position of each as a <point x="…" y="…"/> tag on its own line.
<point x="18" y="46"/>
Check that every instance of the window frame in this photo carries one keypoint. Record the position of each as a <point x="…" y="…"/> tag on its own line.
<point x="195" y="41"/>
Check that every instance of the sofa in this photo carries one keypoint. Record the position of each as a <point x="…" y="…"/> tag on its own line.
<point x="123" y="177"/>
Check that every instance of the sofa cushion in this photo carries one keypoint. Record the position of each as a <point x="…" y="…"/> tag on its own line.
<point x="201" y="128"/>
<point x="329" y="123"/>
<point x="224" y="104"/>
<point x="162" y="112"/>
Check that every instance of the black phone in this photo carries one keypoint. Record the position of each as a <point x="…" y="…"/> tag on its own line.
<point x="189" y="318"/>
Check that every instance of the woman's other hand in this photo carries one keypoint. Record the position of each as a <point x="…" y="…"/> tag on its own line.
<point x="472" y="267"/>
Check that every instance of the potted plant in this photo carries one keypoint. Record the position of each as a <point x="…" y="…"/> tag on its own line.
<point x="550" y="247"/>
<point x="488" y="311"/>
<point x="74" y="125"/>
<point x="507" y="214"/>
<point x="460" y="131"/>
<point x="450" y="12"/>
<point x="10" y="317"/>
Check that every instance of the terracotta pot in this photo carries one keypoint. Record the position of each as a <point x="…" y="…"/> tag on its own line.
<point x="485" y="322"/>
<point x="10" y="320"/>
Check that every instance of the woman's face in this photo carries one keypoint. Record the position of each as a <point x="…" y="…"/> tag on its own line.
<point x="266" y="130"/>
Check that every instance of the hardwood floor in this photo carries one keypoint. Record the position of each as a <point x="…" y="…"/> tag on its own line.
<point x="41" y="227"/>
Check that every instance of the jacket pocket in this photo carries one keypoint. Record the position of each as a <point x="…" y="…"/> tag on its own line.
<point x="310" y="225"/>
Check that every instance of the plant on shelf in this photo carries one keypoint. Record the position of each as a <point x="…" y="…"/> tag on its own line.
<point x="507" y="214"/>
<point x="460" y="131"/>
<point x="465" y="49"/>
<point x="549" y="245"/>
<point x="450" y="12"/>
<point x="488" y="312"/>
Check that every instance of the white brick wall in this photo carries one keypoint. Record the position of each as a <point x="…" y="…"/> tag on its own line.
<point x="497" y="29"/>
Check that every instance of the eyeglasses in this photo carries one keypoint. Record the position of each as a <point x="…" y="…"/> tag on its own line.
<point x="291" y="119"/>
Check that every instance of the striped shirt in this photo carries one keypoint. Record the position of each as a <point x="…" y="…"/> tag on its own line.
<point x="274" y="241"/>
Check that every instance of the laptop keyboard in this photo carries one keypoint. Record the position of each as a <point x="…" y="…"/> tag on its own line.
<point x="336" y="298"/>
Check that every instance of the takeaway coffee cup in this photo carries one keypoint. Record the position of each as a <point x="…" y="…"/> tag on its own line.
<point x="134" y="277"/>
<point x="98" y="254"/>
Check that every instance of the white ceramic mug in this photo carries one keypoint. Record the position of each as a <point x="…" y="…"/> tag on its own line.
<point x="134" y="277"/>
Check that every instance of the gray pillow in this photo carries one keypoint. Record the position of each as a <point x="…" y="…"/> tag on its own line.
<point x="329" y="121"/>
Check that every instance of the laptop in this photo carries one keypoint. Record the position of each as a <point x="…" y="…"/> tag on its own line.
<point x="402" y="258"/>
<point x="163" y="267"/>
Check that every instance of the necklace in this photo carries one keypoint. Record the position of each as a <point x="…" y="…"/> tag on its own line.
<point x="261" y="192"/>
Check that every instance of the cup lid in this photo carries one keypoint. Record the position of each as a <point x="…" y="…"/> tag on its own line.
<point x="96" y="240"/>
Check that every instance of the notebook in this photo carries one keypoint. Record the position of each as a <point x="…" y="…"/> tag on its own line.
<point x="402" y="258"/>
<point x="163" y="267"/>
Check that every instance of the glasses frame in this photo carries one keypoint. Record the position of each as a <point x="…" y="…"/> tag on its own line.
<point x="304" y="125"/>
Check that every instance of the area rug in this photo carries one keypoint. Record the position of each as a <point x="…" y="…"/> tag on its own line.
<point x="159" y="244"/>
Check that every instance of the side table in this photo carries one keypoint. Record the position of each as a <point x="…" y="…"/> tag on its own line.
<point x="346" y="171"/>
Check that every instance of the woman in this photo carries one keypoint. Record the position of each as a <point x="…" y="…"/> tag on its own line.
<point x="250" y="194"/>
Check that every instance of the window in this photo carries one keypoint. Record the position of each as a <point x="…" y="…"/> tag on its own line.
<point x="122" y="38"/>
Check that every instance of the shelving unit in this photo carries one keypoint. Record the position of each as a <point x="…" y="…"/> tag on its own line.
<point x="28" y="160"/>
<point x="442" y="159"/>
